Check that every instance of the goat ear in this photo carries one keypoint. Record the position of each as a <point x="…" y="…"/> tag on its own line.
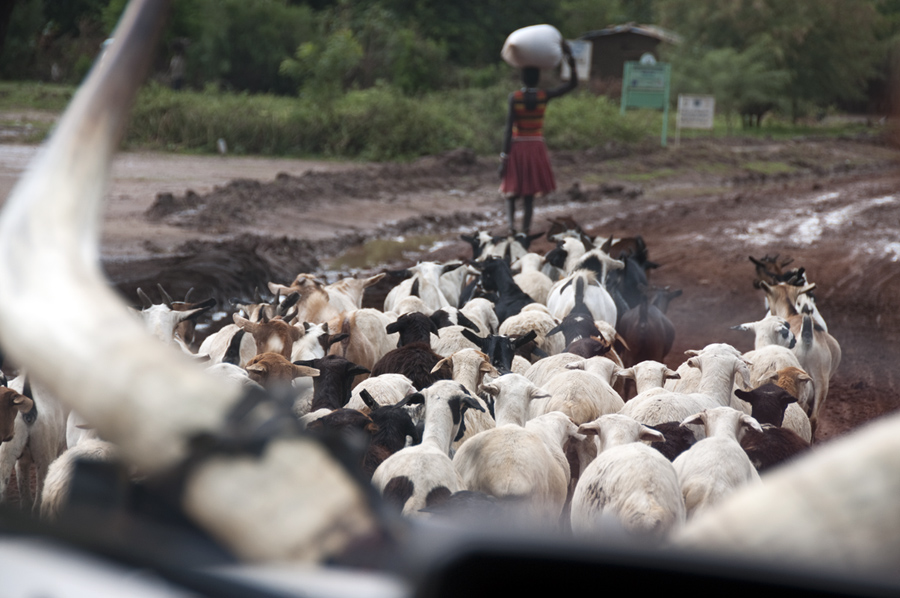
<point x="472" y="403"/>
<point x="305" y="363"/>
<point x="748" y="327"/>
<point x="487" y="368"/>
<point x="538" y="393"/>
<point x="555" y="329"/>
<point x="745" y="395"/>
<point x="765" y="287"/>
<point x="474" y="338"/>
<point x="336" y="338"/>
<point x="749" y="422"/>
<point x="392" y="328"/>
<point x="590" y="429"/>
<point x="626" y="373"/>
<point x="491" y="389"/>
<point x="23" y="404"/>
<point x="575" y="365"/>
<point x="742" y="373"/>
<point x="810" y="287"/>
<point x="451" y="266"/>
<point x="445" y="361"/>
<point x="368" y="399"/>
<point x="696" y="419"/>
<point x="245" y="324"/>
<point x="692" y="353"/>
<point x="525" y="339"/>
<point x="462" y="320"/>
<point x="357" y="370"/>
<point x="650" y="435"/>
<point x="302" y="370"/>
<point x="672" y="375"/>
<point x="413" y="399"/>
<point x="373" y="280"/>
<point x="693" y="362"/>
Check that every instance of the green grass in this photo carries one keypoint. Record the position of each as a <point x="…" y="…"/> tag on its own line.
<point x="769" y="168"/>
<point x="643" y="177"/>
<point x="30" y="95"/>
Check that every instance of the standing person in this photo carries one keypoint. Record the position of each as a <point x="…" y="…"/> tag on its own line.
<point x="524" y="166"/>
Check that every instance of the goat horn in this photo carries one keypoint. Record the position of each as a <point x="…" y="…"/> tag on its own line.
<point x="167" y="299"/>
<point x="145" y="300"/>
<point x="100" y="360"/>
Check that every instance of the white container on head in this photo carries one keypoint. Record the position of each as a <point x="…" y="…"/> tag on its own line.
<point x="538" y="46"/>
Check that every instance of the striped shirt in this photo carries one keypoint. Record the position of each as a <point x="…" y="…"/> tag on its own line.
<point x="528" y="123"/>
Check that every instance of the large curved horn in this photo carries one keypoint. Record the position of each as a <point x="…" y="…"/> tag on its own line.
<point x="97" y="358"/>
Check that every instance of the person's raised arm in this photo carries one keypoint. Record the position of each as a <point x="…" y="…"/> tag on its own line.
<point x="572" y="83"/>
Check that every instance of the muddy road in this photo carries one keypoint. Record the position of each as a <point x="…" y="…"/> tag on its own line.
<point x="227" y="225"/>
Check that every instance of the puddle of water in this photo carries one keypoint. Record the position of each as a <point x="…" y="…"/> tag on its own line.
<point x="381" y="251"/>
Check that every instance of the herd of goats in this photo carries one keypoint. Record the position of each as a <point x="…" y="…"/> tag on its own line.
<point x="514" y="382"/>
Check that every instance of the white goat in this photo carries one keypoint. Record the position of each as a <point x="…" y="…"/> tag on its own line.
<point x="716" y="465"/>
<point x="628" y="480"/>
<point x="35" y="444"/>
<point x="419" y="475"/>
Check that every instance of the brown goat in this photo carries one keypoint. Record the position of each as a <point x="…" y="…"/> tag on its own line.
<point x="11" y="404"/>
<point x="274" y="370"/>
<point x="271" y="336"/>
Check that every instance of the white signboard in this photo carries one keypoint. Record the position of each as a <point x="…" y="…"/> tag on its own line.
<point x="581" y="50"/>
<point x="696" y="112"/>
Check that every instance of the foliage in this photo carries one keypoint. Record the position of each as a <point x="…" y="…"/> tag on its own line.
<point x="326" y="68"/>
<point x="473" y="30"/>
<point x="379" y="123"/>
<point x="21" y="39"/>
<point x="827" y="47"/>
<point x="740" y="81"/>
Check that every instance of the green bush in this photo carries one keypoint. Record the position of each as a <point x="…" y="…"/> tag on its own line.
<point x="583" y="120"/>
<point x="380" y="123"/>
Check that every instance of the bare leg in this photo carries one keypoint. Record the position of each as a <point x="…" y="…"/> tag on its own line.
<point x="528" y="211"/>
<point x="511" y="213"/>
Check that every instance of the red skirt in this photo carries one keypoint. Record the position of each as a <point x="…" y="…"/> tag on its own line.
<point x="528" y="169"/>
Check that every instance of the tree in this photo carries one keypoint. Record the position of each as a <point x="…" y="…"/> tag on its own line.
<point x="828" y="47"/>
<point x="742" y="82"/>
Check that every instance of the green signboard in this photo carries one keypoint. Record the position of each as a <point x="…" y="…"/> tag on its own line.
<point x="646" y="85"/>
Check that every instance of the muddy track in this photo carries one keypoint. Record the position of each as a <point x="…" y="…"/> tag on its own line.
<point x="829" y="204"/>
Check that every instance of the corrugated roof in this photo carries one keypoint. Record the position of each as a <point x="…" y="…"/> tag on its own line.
<point x="648" y="30"/>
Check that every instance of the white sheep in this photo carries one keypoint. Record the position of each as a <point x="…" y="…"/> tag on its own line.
<point x="59" y="475"/>
<point x="689" y="377"/>
<point x="535" y="317"/>
<point x="386" y="389"/>
<point x="628" y="480"/>
<point x="530" y="279"/>
<point x="648" y="376"/>
<point x="481" y="311"/>
<point x="583" y="391"/>
<point x="717" y="465"/>
<point x="469" y="368"/>
<point x="718" y="374"/>
<point x="423" y="474"/>
<point x="510" y="461"/>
